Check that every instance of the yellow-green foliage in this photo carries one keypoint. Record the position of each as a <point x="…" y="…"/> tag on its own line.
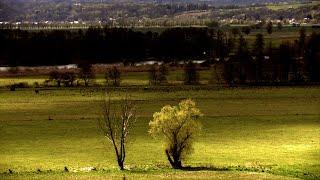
<point x="178" y="125"/>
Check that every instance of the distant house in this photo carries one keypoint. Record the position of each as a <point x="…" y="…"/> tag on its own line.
<point x="148" y="63"/>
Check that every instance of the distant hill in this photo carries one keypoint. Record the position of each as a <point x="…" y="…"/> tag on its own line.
<point x="7" y="11"/>
<point x="135" y="10"/>
<point x="218" y="2"/>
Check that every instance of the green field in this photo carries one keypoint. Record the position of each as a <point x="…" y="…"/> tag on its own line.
<point x="127" y="78"/>
<point x="247" y="133"/>
<point x="292" y="5"/>
<point x="287" y="33"/>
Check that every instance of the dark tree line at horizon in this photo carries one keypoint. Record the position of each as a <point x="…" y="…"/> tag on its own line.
<point x="295" y="62"/>
<point x="101" y="45"/>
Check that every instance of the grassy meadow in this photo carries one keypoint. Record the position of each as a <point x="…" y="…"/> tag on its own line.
<point x="293" y="5"/>
<point x="247" y="133"/>
<point x="127" y="78"/>
<point x="286" y="34"/>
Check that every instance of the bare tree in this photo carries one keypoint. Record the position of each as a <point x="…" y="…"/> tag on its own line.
<point x="114" y="74"/>
<point x="86" y="73"/>
<point x="116" y="125"/>
<point x="153" y="75"/>
<point x="163" y="73"/>
<point x="56" y="76"/>
<point x="158" y="75"/>
<point x="68" y="79"/>
<point x="191" y="75"/>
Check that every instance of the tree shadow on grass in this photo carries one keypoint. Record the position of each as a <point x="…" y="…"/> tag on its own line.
<point x="204" y="168"/>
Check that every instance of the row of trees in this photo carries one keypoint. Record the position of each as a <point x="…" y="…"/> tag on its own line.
<point x="296" y="62"/>
<point x="227" y="50"/>
<point x="157" y="76"/>
<point x="109" y="45"/>
<point x="101" y="45"/>
<point x="85" y="74"/>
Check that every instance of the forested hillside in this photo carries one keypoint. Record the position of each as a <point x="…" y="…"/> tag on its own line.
<point x="158" y="12"/>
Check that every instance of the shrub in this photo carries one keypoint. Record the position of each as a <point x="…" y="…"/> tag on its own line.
<point x="12" y="88"/>
<point x="22" y="85"/>
<point x="18" y="85"/>
<point x="36" y="85"/>
<point x="178" y="126"/>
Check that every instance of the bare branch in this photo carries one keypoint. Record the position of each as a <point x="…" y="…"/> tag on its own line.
<point x="116" y="125"/>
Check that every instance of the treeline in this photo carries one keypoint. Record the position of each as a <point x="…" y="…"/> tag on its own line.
<point x="101" y="45"/>
<point x="227" y="51"/>
<point x="297" y="62"/>
<point x="94" y="11"/>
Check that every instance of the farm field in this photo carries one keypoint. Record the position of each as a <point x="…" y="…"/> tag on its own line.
<point x="292" y="5"/>
<point x="219" y="91"/>
<point x="247" y="133"/>
<point x="286" y="34"/>
<point x="127" y="78"/>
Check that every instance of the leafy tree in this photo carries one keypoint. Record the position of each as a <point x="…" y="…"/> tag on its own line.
<point x="178" y="125"/>
<point x="116" y="125"/>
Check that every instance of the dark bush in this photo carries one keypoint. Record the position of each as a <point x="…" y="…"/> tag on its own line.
<point x="56" y="76"/>
<point x="68" y="79"/>
<point x="18" y="85"/>
<point x="12" y="88"/>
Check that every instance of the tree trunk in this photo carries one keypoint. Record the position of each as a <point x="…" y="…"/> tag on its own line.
<point x="175" y="162"/>
<point x="120" y="163"/>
